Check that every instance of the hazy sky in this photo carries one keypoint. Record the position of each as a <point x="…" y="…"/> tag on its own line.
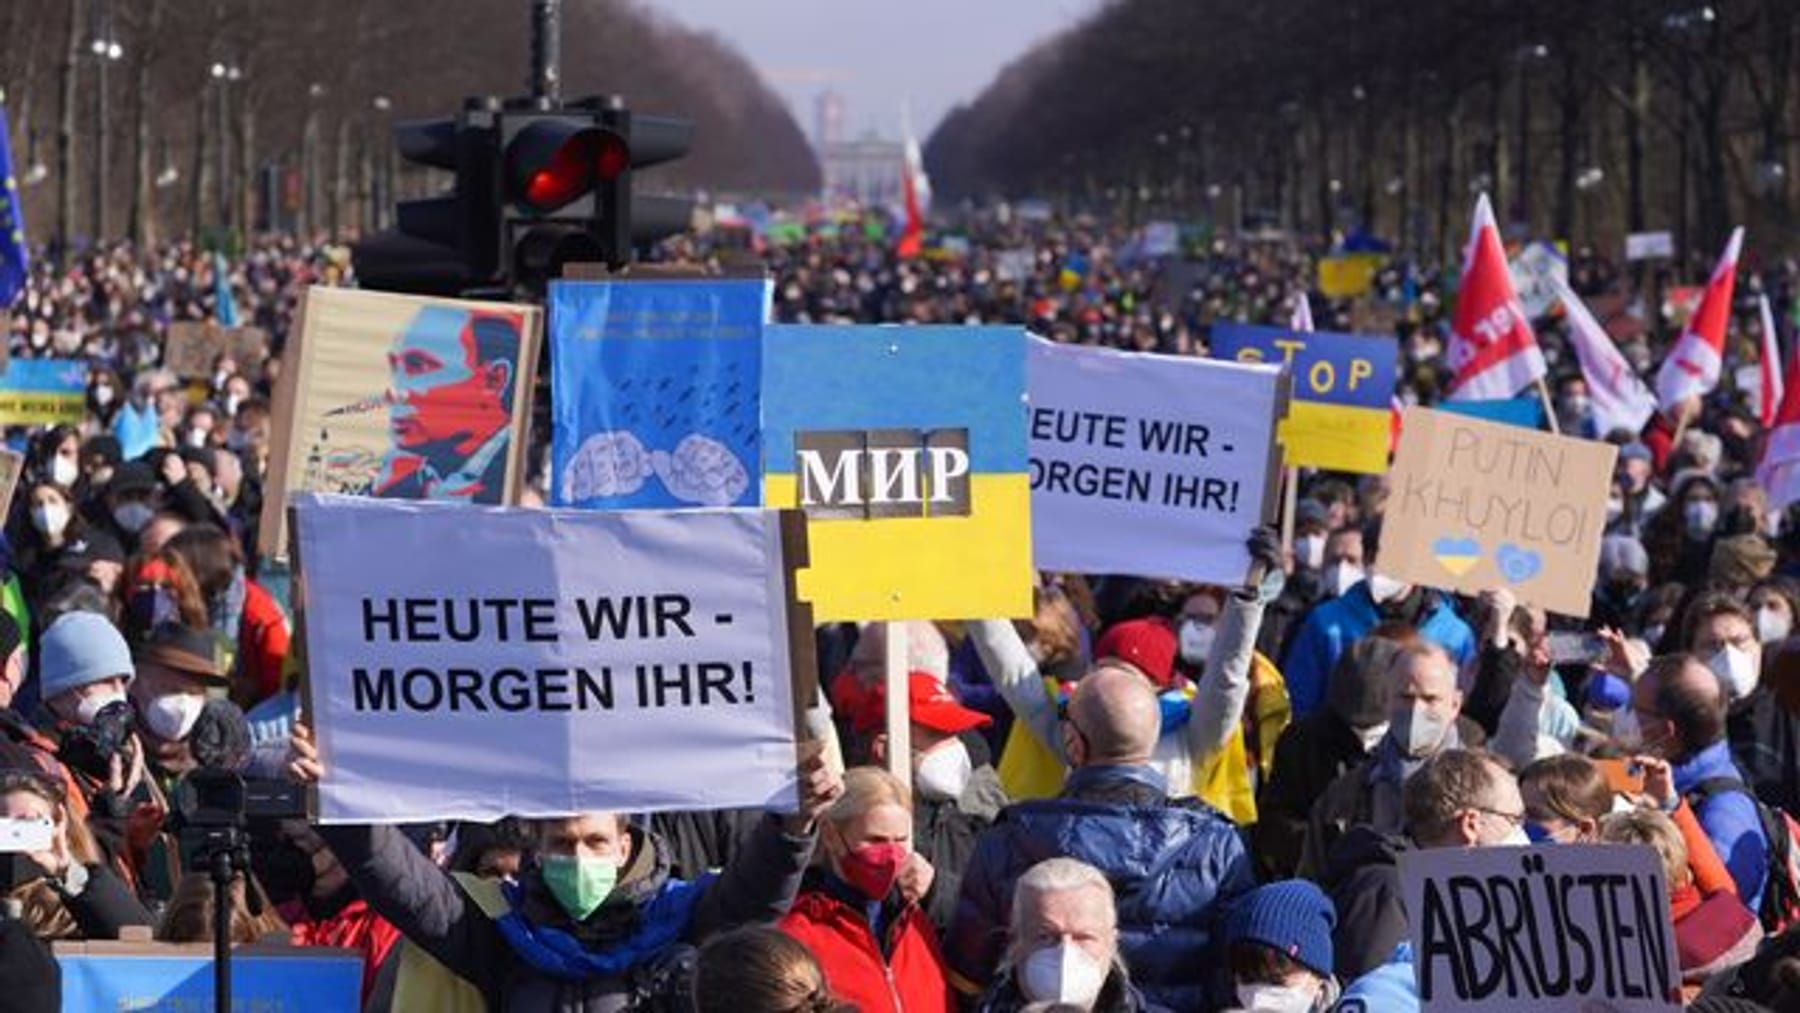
<point x="877" y="53"/>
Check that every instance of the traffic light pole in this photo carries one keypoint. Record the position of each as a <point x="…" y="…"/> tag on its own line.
<point x="546" y="50"/>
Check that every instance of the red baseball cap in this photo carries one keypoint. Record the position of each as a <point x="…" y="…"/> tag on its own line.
<point x="931" y="706"/>
<point x="1148" y="644"/>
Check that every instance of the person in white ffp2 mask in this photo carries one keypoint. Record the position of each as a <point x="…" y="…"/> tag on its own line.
<point x="1278" y="938"/>
<point x="1723" y="633"/>
<point x="1063" y="945"/>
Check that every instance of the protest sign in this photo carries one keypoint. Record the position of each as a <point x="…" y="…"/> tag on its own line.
<point x="12" y="465"/>
<point x="1348" y="275"/>
<point x="905" y="446"/>
<point x="194" y="346"/>
<point x="555" y="662"/>
<point x="1559" y="928"/>
<point x="1536" y="272"/>
<point x="159" y="976"/>
<point x="400" y="397"/>
<point x="1649" y="245"/>
<point x="1525" y="412"/>
<point x="1474" y="505"/>
<point x="655" y="392"/>
<point x="43" y="392"/>
<point x="1148" y="464"/>
<point x="1343" y="389"/>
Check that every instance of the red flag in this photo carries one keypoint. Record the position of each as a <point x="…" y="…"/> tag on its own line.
<point x="915" y="190"/>
<point x="1779" y="470"/>
<point x="1492" y="350"/>
<point x="1692" y="368"/>
<point x="1769" y="401"/>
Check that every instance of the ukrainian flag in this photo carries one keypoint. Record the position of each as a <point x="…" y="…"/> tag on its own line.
<point x="838" y="379"/>
<point x="43" y="392"/>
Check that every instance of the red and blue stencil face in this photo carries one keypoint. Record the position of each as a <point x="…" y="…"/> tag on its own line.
<point x="448" y="396"/>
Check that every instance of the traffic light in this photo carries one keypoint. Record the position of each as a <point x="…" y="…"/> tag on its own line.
<point x="538" y="185"/>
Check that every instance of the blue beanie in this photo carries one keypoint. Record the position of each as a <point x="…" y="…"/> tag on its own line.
<point x="1293" y="917"/>
<point x="78" y="649"/>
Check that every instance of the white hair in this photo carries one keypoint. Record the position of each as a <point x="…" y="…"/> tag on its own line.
<point x="1056" y="875"/>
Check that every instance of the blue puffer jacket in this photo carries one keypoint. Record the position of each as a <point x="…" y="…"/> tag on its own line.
<point x="1333" y="625"/>
<point x="1174" y="865"/>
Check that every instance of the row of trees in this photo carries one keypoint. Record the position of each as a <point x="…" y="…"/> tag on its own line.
<point x="1584" y="120"/>
<point x="158" y="117"/>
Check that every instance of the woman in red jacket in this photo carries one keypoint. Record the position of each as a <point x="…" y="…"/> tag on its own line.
<point x="864" y="924"/>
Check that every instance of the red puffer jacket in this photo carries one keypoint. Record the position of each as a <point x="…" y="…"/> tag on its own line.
<point x="909" y="980"/>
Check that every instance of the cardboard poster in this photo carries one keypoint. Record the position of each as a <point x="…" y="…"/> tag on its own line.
<point x="1340" y="415"/>
<point x="566" y="686"/>
<point x="1475" y="505"/>
<point x="193" y="346"/>
<point x="12" y="465"/>
<point x="1557" y="928"/>
<point x="401" y="397"/>
<point x="906" y="448"/>
<point x="656" y="392"/>
<point x="1150" y="465"/>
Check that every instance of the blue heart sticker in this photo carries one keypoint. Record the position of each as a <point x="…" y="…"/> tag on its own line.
<point x="1517" y="565"/>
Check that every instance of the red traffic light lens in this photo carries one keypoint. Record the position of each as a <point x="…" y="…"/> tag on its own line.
<point x="612" y="158"/>
<point x="567" y="175"/>
<point x="555" y="161"/>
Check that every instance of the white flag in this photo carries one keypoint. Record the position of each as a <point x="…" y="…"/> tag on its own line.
<point x="1620" y="397"/>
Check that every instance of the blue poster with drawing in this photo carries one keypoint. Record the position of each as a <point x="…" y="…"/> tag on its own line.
<point x="655" y="391"/>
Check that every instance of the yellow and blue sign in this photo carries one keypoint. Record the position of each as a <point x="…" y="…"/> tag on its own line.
<point x="43" y="392"/>
<point x="1343" y="389"/>
<point x="298" y="979"/>
<point x="906" y="447"/>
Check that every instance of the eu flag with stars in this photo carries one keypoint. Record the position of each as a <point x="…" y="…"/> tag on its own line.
<point x="13" y="255"/>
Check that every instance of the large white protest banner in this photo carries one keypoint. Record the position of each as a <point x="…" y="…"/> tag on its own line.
<point x="470" y="662"/>
<point x="1149" y="465"/>
<point x="1550" y="929"/>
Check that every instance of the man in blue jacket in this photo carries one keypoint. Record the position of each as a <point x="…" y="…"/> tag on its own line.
<point x="1176" y="865"/>
<point x="1679" y="707"/>
<point x="1336" y="623"/>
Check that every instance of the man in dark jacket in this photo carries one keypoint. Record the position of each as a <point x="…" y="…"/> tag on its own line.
<point x="1424" y="719"/>
<point x="1174" y="865"/>
<point x="597" y="921"/>
<point x="1315" y="750"/>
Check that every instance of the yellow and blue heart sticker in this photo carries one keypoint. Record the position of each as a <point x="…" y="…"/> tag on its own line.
<point x="1517" y="565"/>
<point x="1458" y="555"/>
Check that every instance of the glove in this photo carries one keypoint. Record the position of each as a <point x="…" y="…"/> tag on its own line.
<point x="1267" y="577"/>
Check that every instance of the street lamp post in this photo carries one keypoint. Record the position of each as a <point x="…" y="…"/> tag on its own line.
<point x="107" y="51"/>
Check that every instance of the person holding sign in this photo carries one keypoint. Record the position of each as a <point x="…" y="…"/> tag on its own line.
<point x="596" y="920"/>
<point x="857" y="915"/>
<point x="1457" y="799"/>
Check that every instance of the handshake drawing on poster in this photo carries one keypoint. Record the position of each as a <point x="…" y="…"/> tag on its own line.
<point x="699" y="470"/>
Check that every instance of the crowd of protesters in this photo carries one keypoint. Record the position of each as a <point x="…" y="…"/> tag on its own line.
<point x="1150" y="796"/>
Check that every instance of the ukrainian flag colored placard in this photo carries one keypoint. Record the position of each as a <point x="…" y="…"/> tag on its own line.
<point x="1340" y="416"/>
<point x="43" y="392"/>
<point x="906" y="448"/>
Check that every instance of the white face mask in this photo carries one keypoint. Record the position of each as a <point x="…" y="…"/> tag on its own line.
<point x="1418" y="731"/>
<point x="1062" y="974"/>
<point x="1736" y="669"/>
<point x="197" y="437"/>
<point x="1772" y="625"/>
<point x="171" y="716"/>
<point x="1371" y="736"/>
<point x="103" y="395"/>
<point x="1260" y="997"/>
<point x="1342" y="577"/>
<point x="1196" y="641"/>
<point x="1385" y="589"/>
<point x="1700" y="515"/>
<point x="50" y="518"/>
<point x="1515" y="838"/>
<point x="133" y="516"/>
<point x="944" y="771"/>
<point x="63" y="471"/>
<point x="92" y="705"/>
<point x="1309" y="551"/>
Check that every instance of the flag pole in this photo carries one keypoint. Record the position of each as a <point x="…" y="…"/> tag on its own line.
<point x="1543" y="390"/>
